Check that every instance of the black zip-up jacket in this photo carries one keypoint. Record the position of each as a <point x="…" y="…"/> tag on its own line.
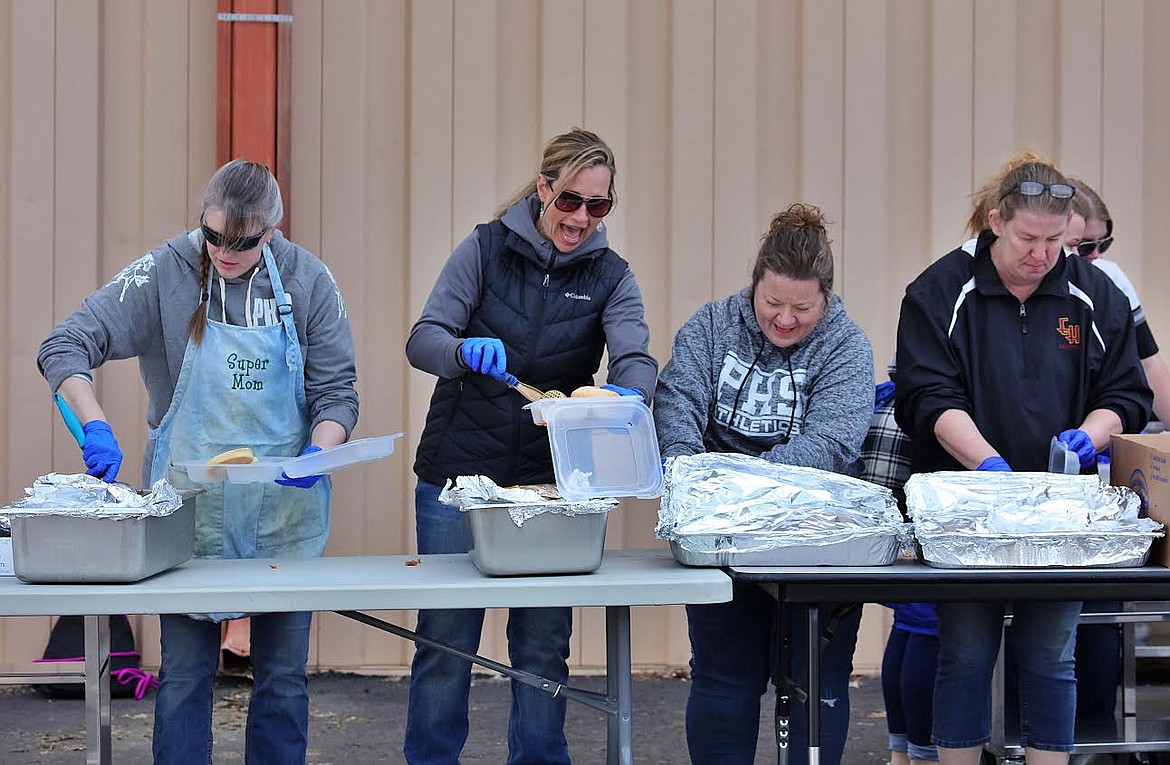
<point x="475" y="424"/>
<point x="1024" y="372"/>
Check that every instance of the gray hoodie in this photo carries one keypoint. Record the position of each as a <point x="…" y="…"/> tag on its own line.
<point x="728" y="389"/>
<point x="144" y="313"/>
<point x="433" y="345"/>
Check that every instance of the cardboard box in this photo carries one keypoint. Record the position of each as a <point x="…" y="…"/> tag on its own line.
<point x="1142" y="462"/>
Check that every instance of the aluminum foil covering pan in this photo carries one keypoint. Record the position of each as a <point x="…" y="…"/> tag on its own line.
<point x="78" y="529"/>
<point x="78" y="495"/>
<point x="733" y="509"/>
<point x="1025" y="520"/>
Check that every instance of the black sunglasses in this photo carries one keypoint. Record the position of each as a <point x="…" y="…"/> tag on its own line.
<point x="216" y="239"/>
<point x="1085" y="249"/>
<point x="1036" y="188"/>
<point x="570" y="201"/>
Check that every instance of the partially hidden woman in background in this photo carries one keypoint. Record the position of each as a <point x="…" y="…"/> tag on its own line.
<point x="535" y="293"/>
<point x="242" y="339"/>
<point x="911" y="654"/>
<point x="1004" y="343"/>
<point x="1091" y="242"/>
<point x="778" y="371"/>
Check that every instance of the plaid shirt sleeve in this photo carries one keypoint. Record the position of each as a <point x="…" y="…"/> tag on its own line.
<point x="886" y="450"/>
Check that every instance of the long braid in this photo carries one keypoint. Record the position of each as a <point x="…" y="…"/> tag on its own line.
<point x="198" y="320"/>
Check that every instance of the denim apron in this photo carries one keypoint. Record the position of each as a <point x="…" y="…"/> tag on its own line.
<point x="244" y="386"/>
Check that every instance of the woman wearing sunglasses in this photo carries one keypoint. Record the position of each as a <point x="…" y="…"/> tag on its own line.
<point x="535" y="293"/>
<point x="222" y="320"/>
<point x="1002" y="344"/>
<point x="1092" y="243"/>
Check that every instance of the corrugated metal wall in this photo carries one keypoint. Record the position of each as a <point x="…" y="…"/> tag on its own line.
<point x="412" y="120"/>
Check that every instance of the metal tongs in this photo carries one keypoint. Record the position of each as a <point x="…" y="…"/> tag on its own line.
<point x="535" y="394"/>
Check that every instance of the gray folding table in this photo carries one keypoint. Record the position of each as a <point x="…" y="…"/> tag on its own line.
<point x="349" y="585"/>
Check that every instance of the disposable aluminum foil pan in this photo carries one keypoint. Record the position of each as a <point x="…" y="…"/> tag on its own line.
<point x="1038" y="550"/>
<point x="877" y="549"/>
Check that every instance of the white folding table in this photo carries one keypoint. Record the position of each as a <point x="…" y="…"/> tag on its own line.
<point x="351" y="584"/>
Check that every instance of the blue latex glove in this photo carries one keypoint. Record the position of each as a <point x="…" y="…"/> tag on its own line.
<point x="996" y="463"/>
<point x="486" y="356"/>
<point x="882" y="394"/>
<point x="306" y="482"/>
<point x="1079" y="442"/>
<point x="102" y="455"/>
<point x="622" y="391"/>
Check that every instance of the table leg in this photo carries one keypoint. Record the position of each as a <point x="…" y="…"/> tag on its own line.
<point x="97" y="690"/>
<point x="783" y="681"/>
<point x="620" y="725"/>
<point x="814" y="684"/>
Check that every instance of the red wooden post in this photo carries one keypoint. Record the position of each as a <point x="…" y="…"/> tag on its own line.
<point x="254" y="85"/>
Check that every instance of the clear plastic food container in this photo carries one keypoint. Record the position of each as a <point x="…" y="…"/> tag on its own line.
<point x="267" y="469"/>
<point x="601" y="447"/>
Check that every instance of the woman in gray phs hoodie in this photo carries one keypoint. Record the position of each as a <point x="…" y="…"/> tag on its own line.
<point x="777" y="371"/>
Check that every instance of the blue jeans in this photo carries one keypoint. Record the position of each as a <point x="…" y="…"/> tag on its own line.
<point x="1098" y="665"/>
<point x="733" y="656"/>
<point x="1043" y="637"/>
<point x="538" y="642"/>
<point x="278" y="714"/>
<point x="908" y="671"/>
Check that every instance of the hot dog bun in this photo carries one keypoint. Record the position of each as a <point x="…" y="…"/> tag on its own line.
<point x="592" y="391"/>
<point x="241" y="456"/>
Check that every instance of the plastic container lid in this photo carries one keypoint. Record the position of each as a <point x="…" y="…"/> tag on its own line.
<point x="1061" y="459"/>
<point x="344" y="455"/>
<point x="601" y="447"/>
<point x="269" y="468"/>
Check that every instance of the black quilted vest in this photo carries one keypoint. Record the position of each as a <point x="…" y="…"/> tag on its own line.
<point x="550" y="323"/>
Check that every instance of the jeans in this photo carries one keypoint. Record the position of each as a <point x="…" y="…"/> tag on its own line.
<point x="1043" y="636"/>
<point x="538" y="642"/>
<point x="908" y="673"/>
<point x="733" y="656"/>
<point x="278" y="715"/>
<point x="1098" y="670"/>
<point x="1098" y="657"/>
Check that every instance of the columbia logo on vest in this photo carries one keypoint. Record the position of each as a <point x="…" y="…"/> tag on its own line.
<point x="575" y="296"/>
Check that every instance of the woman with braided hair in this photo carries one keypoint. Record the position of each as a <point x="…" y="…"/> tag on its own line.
<point x="242" y="339"/>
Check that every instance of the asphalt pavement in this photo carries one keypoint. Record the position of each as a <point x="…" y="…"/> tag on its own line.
<point x="359" y="720"/>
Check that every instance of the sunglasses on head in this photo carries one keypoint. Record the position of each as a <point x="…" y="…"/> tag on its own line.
<point x="1085" y="249"/>
<point x="216" y="239"/>
<point x="1036" y="188"/>
<point x="569" y="201"/>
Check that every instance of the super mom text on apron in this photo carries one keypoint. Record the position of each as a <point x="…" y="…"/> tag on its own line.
<point x="241" y="370"/>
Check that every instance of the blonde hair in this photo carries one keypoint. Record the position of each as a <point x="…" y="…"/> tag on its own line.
<point x="249" y="197"/>
<point x="997" y="193"/>
<point x="564" y="156"/>
<point x="797" y="246"/>
<point x="1091" y="206"/>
